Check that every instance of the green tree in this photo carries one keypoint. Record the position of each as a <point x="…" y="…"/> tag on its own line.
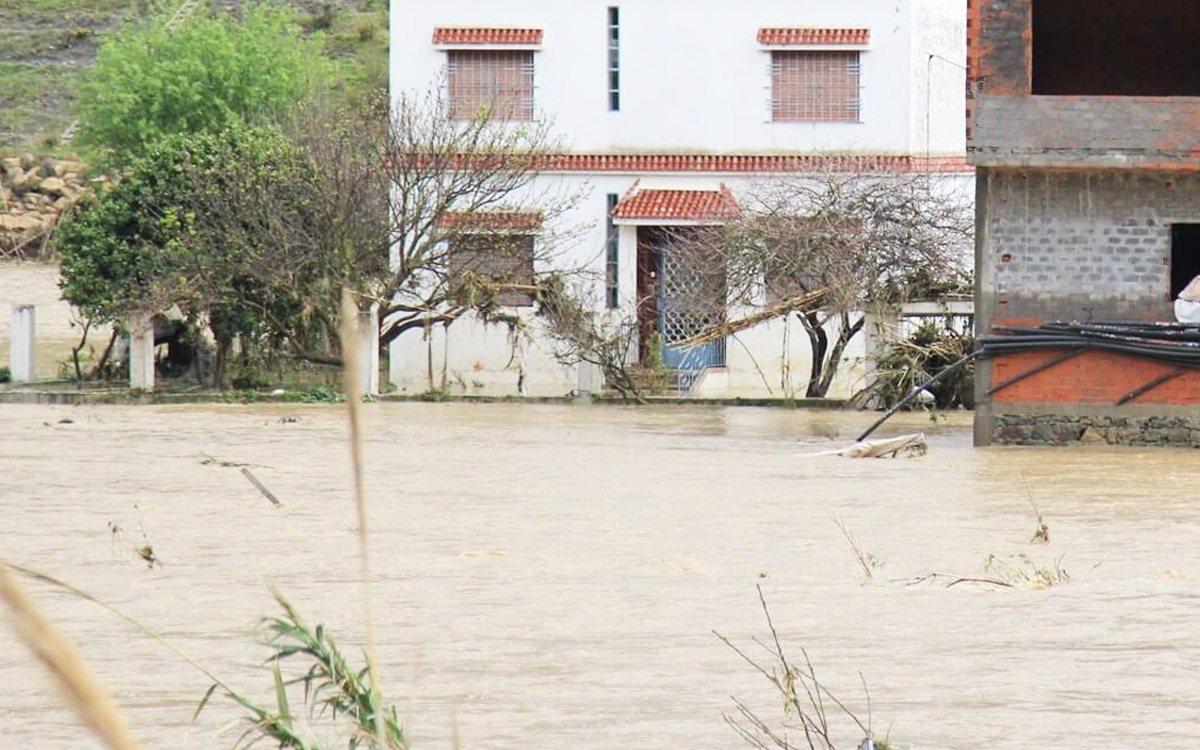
<point x="142" y="246"/>
<point x="204" y="75"/>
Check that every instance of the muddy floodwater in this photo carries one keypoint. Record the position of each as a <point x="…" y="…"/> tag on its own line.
<point x="549" y="576"/>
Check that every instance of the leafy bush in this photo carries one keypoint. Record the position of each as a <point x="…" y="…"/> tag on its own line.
<point x="143" y="245"/>
<point x="5" y="375"/>
<point x="212" y="72"/>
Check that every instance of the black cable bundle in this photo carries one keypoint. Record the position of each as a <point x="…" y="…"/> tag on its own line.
<point x="1177" y="343"/>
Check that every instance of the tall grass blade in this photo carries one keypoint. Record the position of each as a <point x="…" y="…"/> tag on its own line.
<point x="71" y="673"/>
<point x="352" y="376"/>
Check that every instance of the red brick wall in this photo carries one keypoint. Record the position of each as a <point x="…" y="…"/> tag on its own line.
<point x="1091" y="378"/>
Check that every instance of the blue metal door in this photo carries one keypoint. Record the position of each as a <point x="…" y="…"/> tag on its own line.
<point x="689" y="302"/>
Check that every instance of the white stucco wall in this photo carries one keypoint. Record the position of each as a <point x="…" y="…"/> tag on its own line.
<point x="938" y="98"/>
<point x="693" y="75"/>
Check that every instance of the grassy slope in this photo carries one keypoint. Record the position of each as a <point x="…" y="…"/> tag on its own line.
<point x="46" y="44"/>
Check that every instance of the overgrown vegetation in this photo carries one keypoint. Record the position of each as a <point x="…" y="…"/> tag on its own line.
<point x="334" y="693"/>
<point x="904" y="365"/>
<point x="48" y="46"/>
<point x="141" y="247"/>
<point x="205" y="75"/>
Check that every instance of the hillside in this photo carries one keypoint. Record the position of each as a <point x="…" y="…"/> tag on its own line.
<point x="45" y="45"/>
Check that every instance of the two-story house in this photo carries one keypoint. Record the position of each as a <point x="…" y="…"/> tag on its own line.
<point x="671" y="109"/>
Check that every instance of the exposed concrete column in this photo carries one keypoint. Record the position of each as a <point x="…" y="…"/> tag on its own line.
<point x="141" y="352"/>
<point x="368" y="350"/>
<point x="590" y="379"/>
<point x="23" y="359"/>
<point x="879" y="329"/>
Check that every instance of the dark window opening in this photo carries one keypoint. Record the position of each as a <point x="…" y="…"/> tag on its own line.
<point x="611" y="263"/>
<point x="614" y="60"/>
<point x="492" y="264"/>
<point x="1185" y="256"/>
<point x="1116" y="48"/>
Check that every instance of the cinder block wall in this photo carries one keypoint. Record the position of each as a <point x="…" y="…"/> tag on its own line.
<point x="1095" y="245"/>
<point x="1079" y="245"/>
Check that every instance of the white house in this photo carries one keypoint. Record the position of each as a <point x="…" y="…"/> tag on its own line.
<point x="671" y="108"/>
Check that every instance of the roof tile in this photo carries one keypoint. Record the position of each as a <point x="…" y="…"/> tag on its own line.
<point x="807" y="37"/>
<point x="491" y="221"/>
<point x="486" y="35"/>
<point x="694" y="205"/>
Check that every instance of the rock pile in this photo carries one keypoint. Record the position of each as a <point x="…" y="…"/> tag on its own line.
<point x="33" y="194"/>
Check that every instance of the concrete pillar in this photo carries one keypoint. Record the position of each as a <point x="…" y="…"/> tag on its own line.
<point x="880" y="328"/>
<point x="23" y="359"/>
<point x="368" y="350"/>
<point x="589" y="379"/>
<point x="141" y="352"/>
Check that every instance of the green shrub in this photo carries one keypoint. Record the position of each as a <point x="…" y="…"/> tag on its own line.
<point x="211" y="72"/>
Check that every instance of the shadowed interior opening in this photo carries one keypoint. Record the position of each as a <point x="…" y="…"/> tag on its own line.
<point x="1116" y="48"/>
<point x="1185" y="256"/>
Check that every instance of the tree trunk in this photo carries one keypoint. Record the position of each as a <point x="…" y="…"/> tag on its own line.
<point x="819" y="345"/>
<point x="846" y="332"/>
<point x="222" y="355"/>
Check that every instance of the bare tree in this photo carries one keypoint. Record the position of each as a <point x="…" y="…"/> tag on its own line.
<point x="461" y="190"/>
<point x="581" y="335"/>
<point x="864" y="240"/>
<point x="426" y="215"/>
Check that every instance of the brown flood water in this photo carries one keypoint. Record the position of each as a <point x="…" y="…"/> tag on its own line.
<point x="549" y="576"/>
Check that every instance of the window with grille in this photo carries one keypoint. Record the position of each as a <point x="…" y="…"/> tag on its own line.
<point x="815" y="86"/>
<point x="497" y="81"/>
<point x="479" y="260"/>
<point x="612" y="256"/>
<point x="614" y="59"/>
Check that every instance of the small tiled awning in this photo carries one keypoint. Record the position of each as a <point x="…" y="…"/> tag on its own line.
<point x="806" y="37"/>
<point x="677" y="205"/>
<point x="486" y="36"/>
<point x="491" y="221"/>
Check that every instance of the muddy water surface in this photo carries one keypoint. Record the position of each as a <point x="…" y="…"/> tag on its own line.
<point x="549" y="576"/>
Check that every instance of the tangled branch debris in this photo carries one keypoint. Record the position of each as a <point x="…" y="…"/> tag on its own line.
<point x="809" y="708"/>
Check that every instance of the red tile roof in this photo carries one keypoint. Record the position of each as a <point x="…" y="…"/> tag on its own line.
<point x="693" y="205"/>
<point x="480" y="35"/>
<point x="752" y="163"/>
<point x="724" y="163"/>
<point x="814" y="37"/>
<point x="491" y="221"/>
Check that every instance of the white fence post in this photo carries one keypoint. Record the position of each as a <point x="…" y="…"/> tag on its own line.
<point x="141" y="352"/>
<point x="368" y="326"/>
<point x="23" y="360"/>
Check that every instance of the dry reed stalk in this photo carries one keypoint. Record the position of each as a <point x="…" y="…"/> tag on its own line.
<point x="351" y="373"/>
<point x="70" y="672"/>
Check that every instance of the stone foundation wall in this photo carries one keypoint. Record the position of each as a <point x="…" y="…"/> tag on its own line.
<point x="1055" y="429"/>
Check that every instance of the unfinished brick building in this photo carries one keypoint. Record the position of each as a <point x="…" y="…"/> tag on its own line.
<point x="1084" y="124"/>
